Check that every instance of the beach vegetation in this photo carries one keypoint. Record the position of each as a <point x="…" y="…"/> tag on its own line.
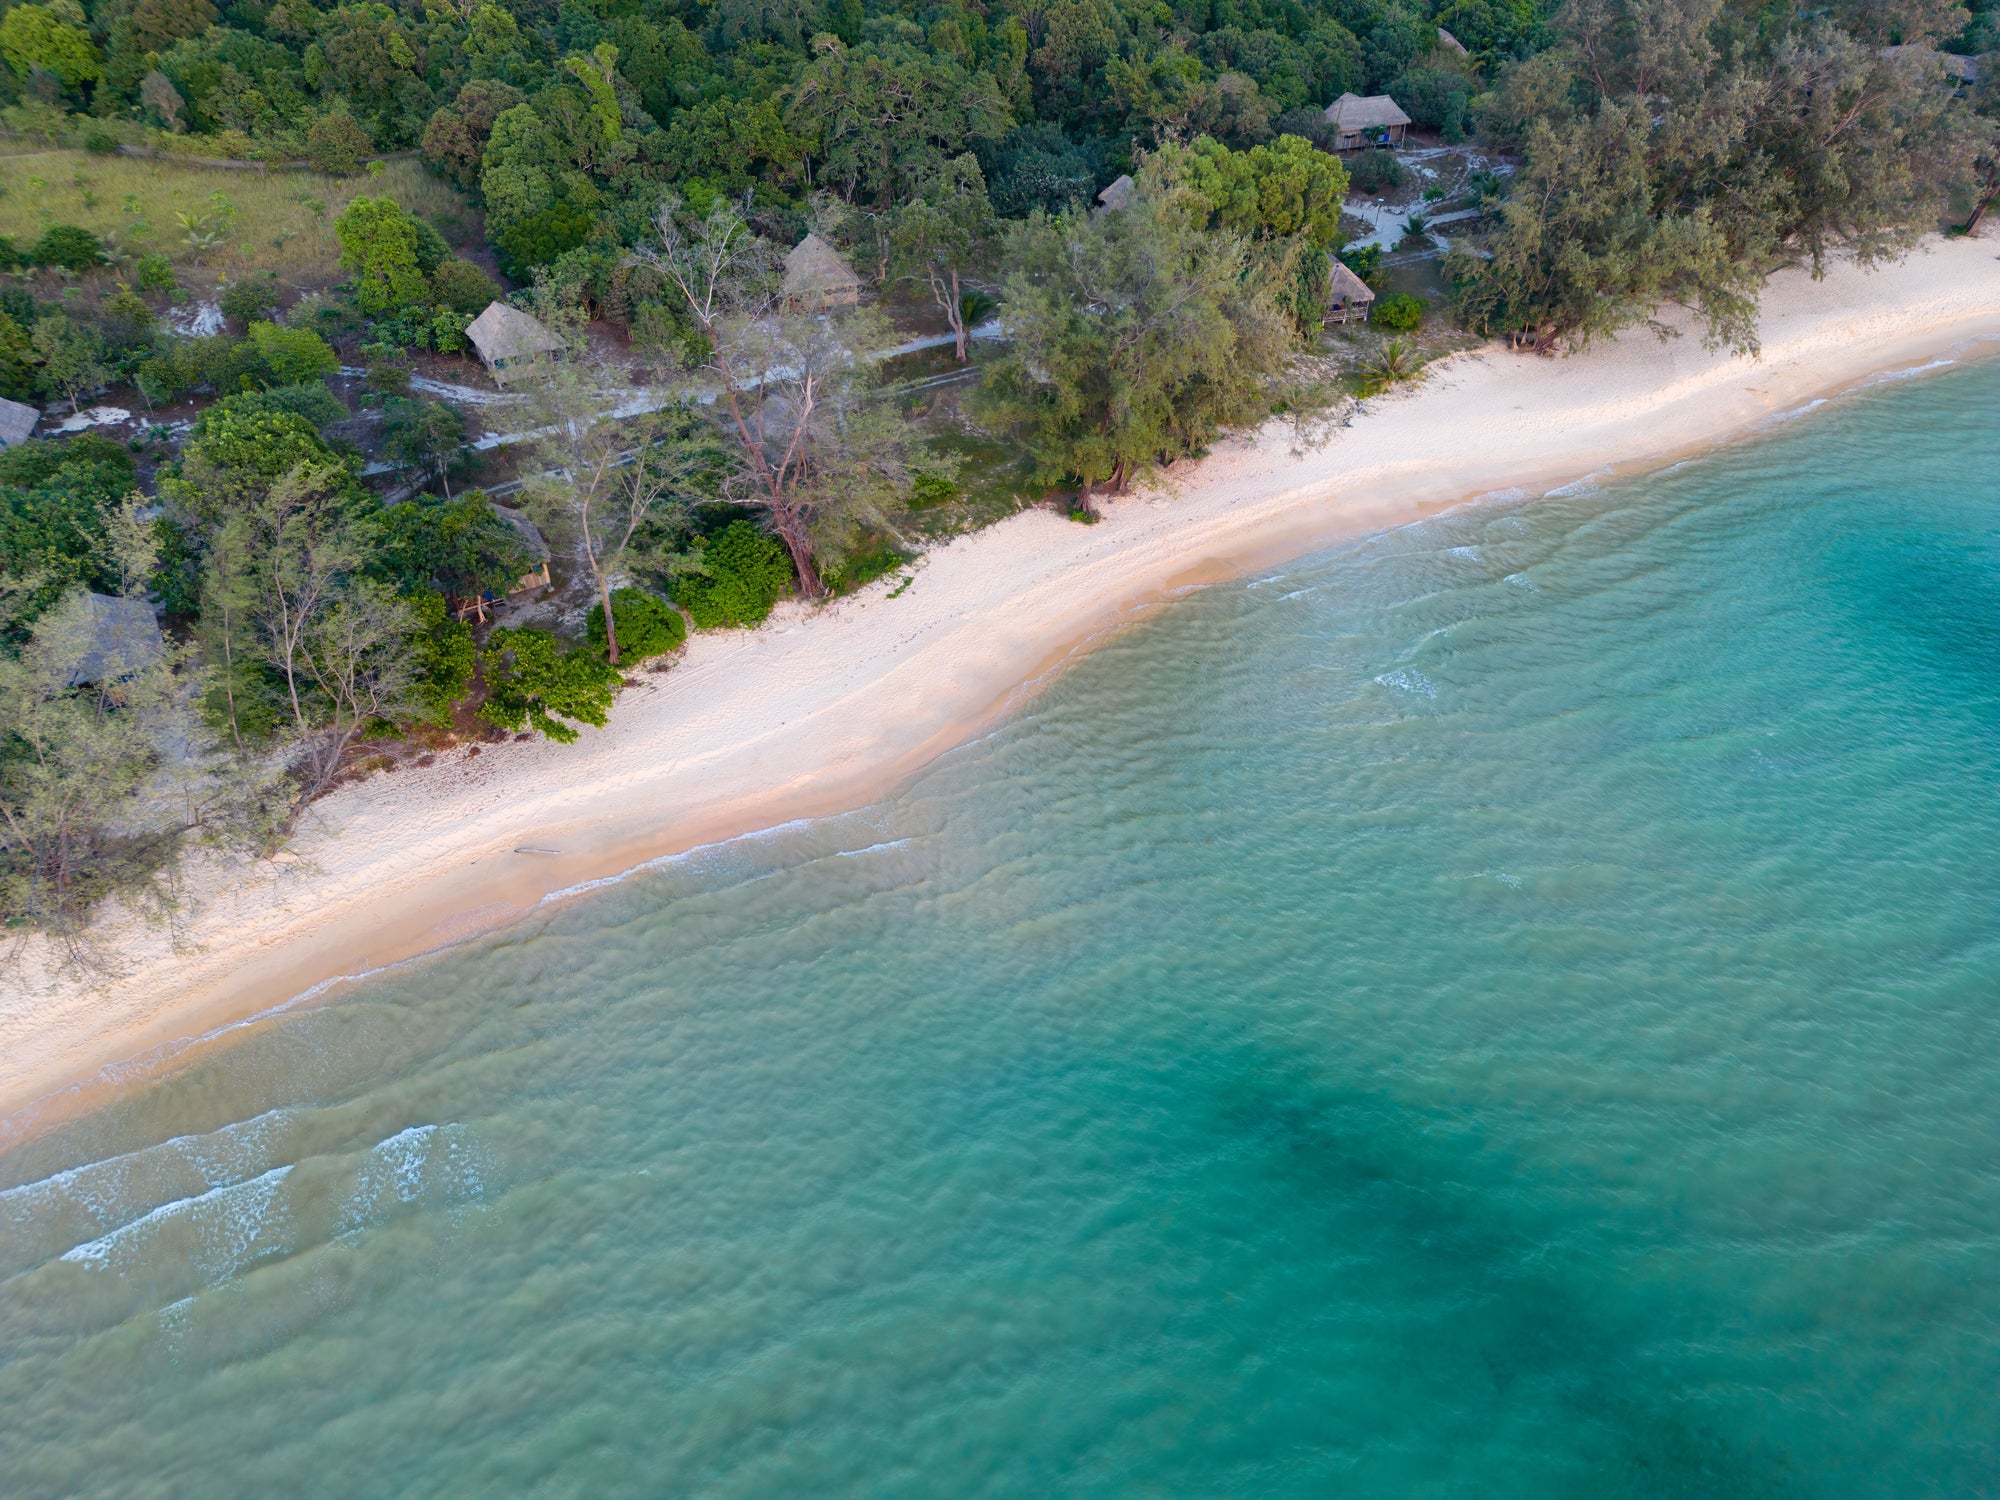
<point x="807" y="438"/>
<point x="646" y="625"/>
<point x="533" y="683"/>
<point x="1399" y="313"/>
<point x="735" y="578"/>
<point x="1675" y="153"/>
<point x="1135" y="337"/>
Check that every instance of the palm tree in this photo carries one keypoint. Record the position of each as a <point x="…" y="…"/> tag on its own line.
<point x="1396" y="363"/>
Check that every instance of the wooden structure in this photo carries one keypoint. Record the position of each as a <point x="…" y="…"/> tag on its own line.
<point x="1348" y="298"/>
<point x="1375" y="121"/>
<point x="1118" y="195"/>
<point x="17" y="422"/>
<point x="1451" y="43"/>
<point x="476" y="608"/>
<point x="817" y="278"/>
<point x="508" y="341"/>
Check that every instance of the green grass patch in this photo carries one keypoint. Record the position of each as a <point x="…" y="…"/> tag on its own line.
<point x="282" y="220"/>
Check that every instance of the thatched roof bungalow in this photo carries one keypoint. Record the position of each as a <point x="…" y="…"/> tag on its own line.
<point x="508" y="340"/>
<point x="1375" y="121"/>
<point x="816" y="277"/>
<point x="123" y="636"/>
<point x="17" y="422"/>
<point x="1119" y="195"/>
<point x="1348" y="297"/>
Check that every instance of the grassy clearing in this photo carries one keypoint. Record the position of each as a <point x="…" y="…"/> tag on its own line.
<point x="283" y="221"/>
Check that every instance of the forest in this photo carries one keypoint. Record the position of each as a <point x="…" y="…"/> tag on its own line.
<point x="304" y="510"/>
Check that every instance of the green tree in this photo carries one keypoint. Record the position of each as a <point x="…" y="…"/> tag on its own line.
<point x="70" y="246"/>
<point x="378" y="242"/>
<point x="938" y="233"/>
<point x="78" y="822"/>
<point x="1285" y="188"/>
<point x="292" y="356"/>
<point x="337" y="144"/>
<point x="887" y="116"/>
<point x="442" y="657"/>
<point x="809" y="443"/>
<point x="71" y="356"/>
<point x="455" y="139"/>
<point x="424" y="438"/>
<point x="531" y="682"/>
<point x="457" y="547"/>
<point x="645" y="626"/>
<point x="1134" y="337"/>
<point x="39" y="36"/>
<point x="735" y="578"/>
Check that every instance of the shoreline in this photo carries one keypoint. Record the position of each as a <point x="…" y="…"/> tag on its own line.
<point x="822" y="712"/>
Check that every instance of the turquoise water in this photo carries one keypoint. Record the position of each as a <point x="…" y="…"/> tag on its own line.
<point x="1505" y="1008"/>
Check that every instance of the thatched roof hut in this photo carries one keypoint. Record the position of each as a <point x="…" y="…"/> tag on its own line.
<point x="1375" y="121"/>
<point x="124" y="635"/>
<point x="816" y="277"/>
<point x="1118" y="195"/>
<point x="1348" y="297"/>
<point x="508" y="338"/>
<point x="16" y="422"/>
<point x="1451" y="43"/>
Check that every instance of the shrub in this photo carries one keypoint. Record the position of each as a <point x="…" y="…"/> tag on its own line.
<point x="155" y="273"/>
<point x="253" y="297"/>
<point x="532" y="682"/>
<point x="309" y="399"/>
<point x="68" y="245"/>
<point x="10" y="257"/>
<point x="1374" y="171"/>
<point x="646" y="625"/>
<point x="463" y="287"/>
<point x="441" y="657"/>
<point x="336" y="144"/>
<point x="928" y="490"/>
<point x="100" y="143"/>
<point x="291" y="355"/>
<point x="748" y="572"/>
<point x="540" y="238"/>
<point x="1399" y="313"/>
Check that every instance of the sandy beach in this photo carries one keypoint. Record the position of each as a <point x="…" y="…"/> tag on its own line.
<point x="830" y="709"/>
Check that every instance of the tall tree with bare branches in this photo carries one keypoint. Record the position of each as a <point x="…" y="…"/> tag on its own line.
<point x="814" y="445"/>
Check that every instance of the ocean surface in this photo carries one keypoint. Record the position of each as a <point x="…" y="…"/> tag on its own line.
<point x="1509" y="1007"/>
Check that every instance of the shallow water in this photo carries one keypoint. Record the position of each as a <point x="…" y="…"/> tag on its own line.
<point x="1505" y="1008"/>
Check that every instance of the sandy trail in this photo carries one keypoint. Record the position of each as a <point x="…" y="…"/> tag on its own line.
<point x="824" y="711"/>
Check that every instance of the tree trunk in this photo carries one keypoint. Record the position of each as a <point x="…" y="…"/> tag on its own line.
<point x="610" y="625"/>
<point x="1121" y="477"/>
<point x="1083" y="502"/>
<point x="793" y="535"/>
<point x="956" y="317"/>
<point x="1979" y="212"/>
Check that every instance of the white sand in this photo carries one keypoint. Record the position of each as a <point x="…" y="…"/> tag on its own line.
<point x="819" y="712"/>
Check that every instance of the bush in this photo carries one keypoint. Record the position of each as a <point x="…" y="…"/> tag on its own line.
<point x="748" y="572"/>
<point x="10" y="257"/>
<point x="441" y="657"/>
<point x="336" y="144"/>
<point x="463" y="287"/>
<point x="1374" y="171"/>
<point x="532" y="682"/>
<point x="540" y="238"/>
<point x="100" y="142"/>
<point x="155" y="273"/>
<point x="1399" y="313"/>
<point x="291" y="355"/>
<point x="928" y="491"/>
<point x="70" y="246"/>
<point x="646" y="626"/>
<point x="309" y="399"/>
<point x="253" y="297"/>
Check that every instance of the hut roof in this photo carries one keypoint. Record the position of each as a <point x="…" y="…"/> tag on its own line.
<point x="16" y="422"/>
<point x="1119" y="194"/>
<point x="1342" y="283"/>
<point x="814" y="266"/>
<point x="1376" y="112"/>
<point x="124" y="636"/>
<point x="503" y="332"/>
<point x="1964" y="69"/>
<point x="1451" y="43"/>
